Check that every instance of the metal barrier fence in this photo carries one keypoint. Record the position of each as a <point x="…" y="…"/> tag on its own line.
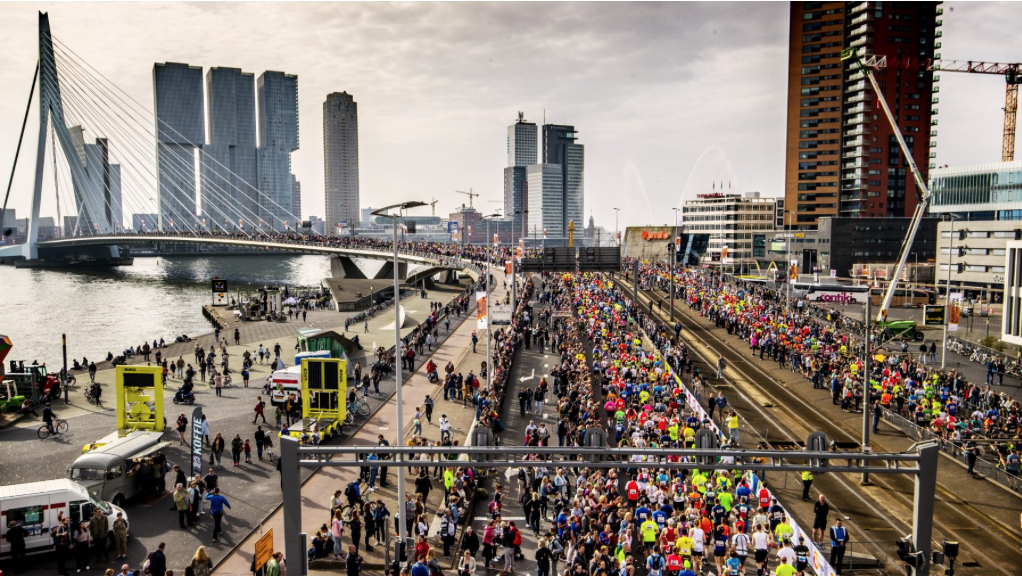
<point x="986" y="468"/>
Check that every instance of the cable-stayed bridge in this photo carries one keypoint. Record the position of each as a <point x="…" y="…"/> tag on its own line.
<point x="100" y="154"/>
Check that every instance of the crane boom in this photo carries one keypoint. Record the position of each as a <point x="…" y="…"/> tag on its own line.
<point x="1012" y="73"/>
<point x="924" y="201"/>
<point x="470" y="195"/>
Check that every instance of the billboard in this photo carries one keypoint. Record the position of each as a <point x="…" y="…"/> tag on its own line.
<point x="500" y="314"/>
<point x="933" y="315"/>
<point x="452" y="227"/>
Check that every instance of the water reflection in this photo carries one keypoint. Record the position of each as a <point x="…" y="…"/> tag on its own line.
<point x="108" y="309"/>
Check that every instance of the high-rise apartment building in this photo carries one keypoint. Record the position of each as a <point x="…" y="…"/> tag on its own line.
<point x="522" y="140"/>
<point x="296" y="197"/>
<point x="277" y="101"/>
<point x="229" y="174"/>
<point x="180" y="130"/>
<point x="340" y="161"/>
<point x="546" y="200"/>
<point x="842" y="158"/>
<point x="561" y="149"/>
<point x="98" y="196"/>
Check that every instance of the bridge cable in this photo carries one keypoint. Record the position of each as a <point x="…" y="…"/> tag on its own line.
<point x="69" y="53"/>
<point x="17" y="151"/>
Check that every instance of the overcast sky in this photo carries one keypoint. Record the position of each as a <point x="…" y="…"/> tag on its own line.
<point x="667" y="98"/>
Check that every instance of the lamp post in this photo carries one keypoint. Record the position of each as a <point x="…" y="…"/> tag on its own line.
<point x="788" y="238"/>
<point x="672" y="253"/>
<point x="514" y="284"/>
<point x="947" y="288"/>
<point x="486" y="289"/>
<point x="401" y="510"/>
<point x="617" y="234"/>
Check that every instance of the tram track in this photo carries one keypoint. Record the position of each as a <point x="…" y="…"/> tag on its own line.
<point x="763" y="396"/>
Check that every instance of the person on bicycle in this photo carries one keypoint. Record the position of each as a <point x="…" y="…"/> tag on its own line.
<point x="354" y="493"/>
<point x="48" y="417"/>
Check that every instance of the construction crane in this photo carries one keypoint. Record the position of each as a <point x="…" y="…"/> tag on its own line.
<point x="1012" y="78"/>
<point x="872" y="63"/>
<point x="433" y="205"/>
<point x="470" y="195"/>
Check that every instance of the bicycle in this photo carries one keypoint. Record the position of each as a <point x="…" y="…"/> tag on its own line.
<point x="59" y="429"/>
<point x="360" y="406"/>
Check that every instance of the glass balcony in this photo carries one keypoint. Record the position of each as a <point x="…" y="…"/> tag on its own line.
<point x="856" y="86"/>
<point x="859" y="7"/>
<point x="858" y="108"/>
<point x="857" y="42"/>
<point x="860" y="131"/>
<point x="856" y="76"/>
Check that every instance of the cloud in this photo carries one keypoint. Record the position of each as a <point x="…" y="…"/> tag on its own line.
<point x="650" y="86"/>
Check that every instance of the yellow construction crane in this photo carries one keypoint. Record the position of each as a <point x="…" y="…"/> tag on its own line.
<point x="1012" y="78"/>
<point x="470" y="195"/>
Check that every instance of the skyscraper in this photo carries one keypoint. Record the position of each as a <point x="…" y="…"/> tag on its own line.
<point x="521" y="152"/>
<point x="546" y="199"/>
<point x="340" y="160"/>
<point x="842" y="158"/>
<point x="229" y="174"/>
<point x="180" y="130"/>
<point x="98" y="197"/>
<point x="560" y="149"/>
<point x="277" y="98"/>
<point x="296" y="197"/>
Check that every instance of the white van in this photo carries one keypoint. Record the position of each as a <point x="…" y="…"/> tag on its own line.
<point x="289" y="380"/>
<point x="35" y="505"/>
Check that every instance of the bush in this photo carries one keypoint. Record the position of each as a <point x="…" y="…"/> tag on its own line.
<point x="995" y="343"/>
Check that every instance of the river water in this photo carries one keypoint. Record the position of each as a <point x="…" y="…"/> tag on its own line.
<point x="109" y="309"/>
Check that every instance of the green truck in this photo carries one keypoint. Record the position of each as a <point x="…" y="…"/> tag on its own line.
<point x="903" y="328"/>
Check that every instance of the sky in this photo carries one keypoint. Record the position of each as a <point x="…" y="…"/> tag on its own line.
<point x="666" y="97"/>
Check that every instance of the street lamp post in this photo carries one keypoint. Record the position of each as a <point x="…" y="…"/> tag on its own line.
<point x="673" y="256"/>
<point x="486" y="289"/>
<point x="617" y="234"/>
<point x="947" y="288"/>
<point x="401" y="509"/>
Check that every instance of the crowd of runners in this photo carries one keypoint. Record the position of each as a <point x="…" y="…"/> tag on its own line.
<point x="940" y="401"/>
<point x="632" y="519"/>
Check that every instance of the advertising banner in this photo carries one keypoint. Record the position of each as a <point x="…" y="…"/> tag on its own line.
<point x="481" y="319"/>
<point x="954" y="312"/>
<point x="197" y="442"/>
<point x="933" y="315"/>
<point x="500" y="314"/>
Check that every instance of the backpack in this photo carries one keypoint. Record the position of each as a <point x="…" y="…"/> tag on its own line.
<point x="517" y="541"/>
<point x="350" y="490"/>
<point x="498" y="426"/>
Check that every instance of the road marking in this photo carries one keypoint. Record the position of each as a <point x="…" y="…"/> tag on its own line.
<point x="384" y="427"/>
<point x="527" y="378"/>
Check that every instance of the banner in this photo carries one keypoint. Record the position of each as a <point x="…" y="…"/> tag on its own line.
<point x="933" y="315"/>
<point x="954" y="312"/>
<point x="500" y="314"/>
<point x="197" y="442"/>
<point x="481" y="310"/>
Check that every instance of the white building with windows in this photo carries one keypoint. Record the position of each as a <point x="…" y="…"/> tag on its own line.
<point x="986" y="201"/>
<point x="741" y="222"/>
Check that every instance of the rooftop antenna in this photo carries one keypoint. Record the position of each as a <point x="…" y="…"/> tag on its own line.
<point x="521" y="117"/>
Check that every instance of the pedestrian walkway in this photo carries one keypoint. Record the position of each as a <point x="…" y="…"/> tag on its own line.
<point x="320" y="486"/>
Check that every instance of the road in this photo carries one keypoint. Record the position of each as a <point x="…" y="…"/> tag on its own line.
<point x="781" y="408"/>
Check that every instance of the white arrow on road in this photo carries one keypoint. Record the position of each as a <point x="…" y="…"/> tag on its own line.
<point x="527" y="378"/>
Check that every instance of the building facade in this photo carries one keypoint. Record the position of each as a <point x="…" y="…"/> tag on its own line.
<point x="180" y="131"/>
<point x="340" y="161"/>
<point x="842" y="158"/>
<point x="522" y="151"/>
<point x="277" y="102"/>
<point x="98" y="201"/>
<point x="740" y="222"/>
<point x="545" y="199"/>
<point x="229" y="171"/>
<point x="986" y="203"/>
